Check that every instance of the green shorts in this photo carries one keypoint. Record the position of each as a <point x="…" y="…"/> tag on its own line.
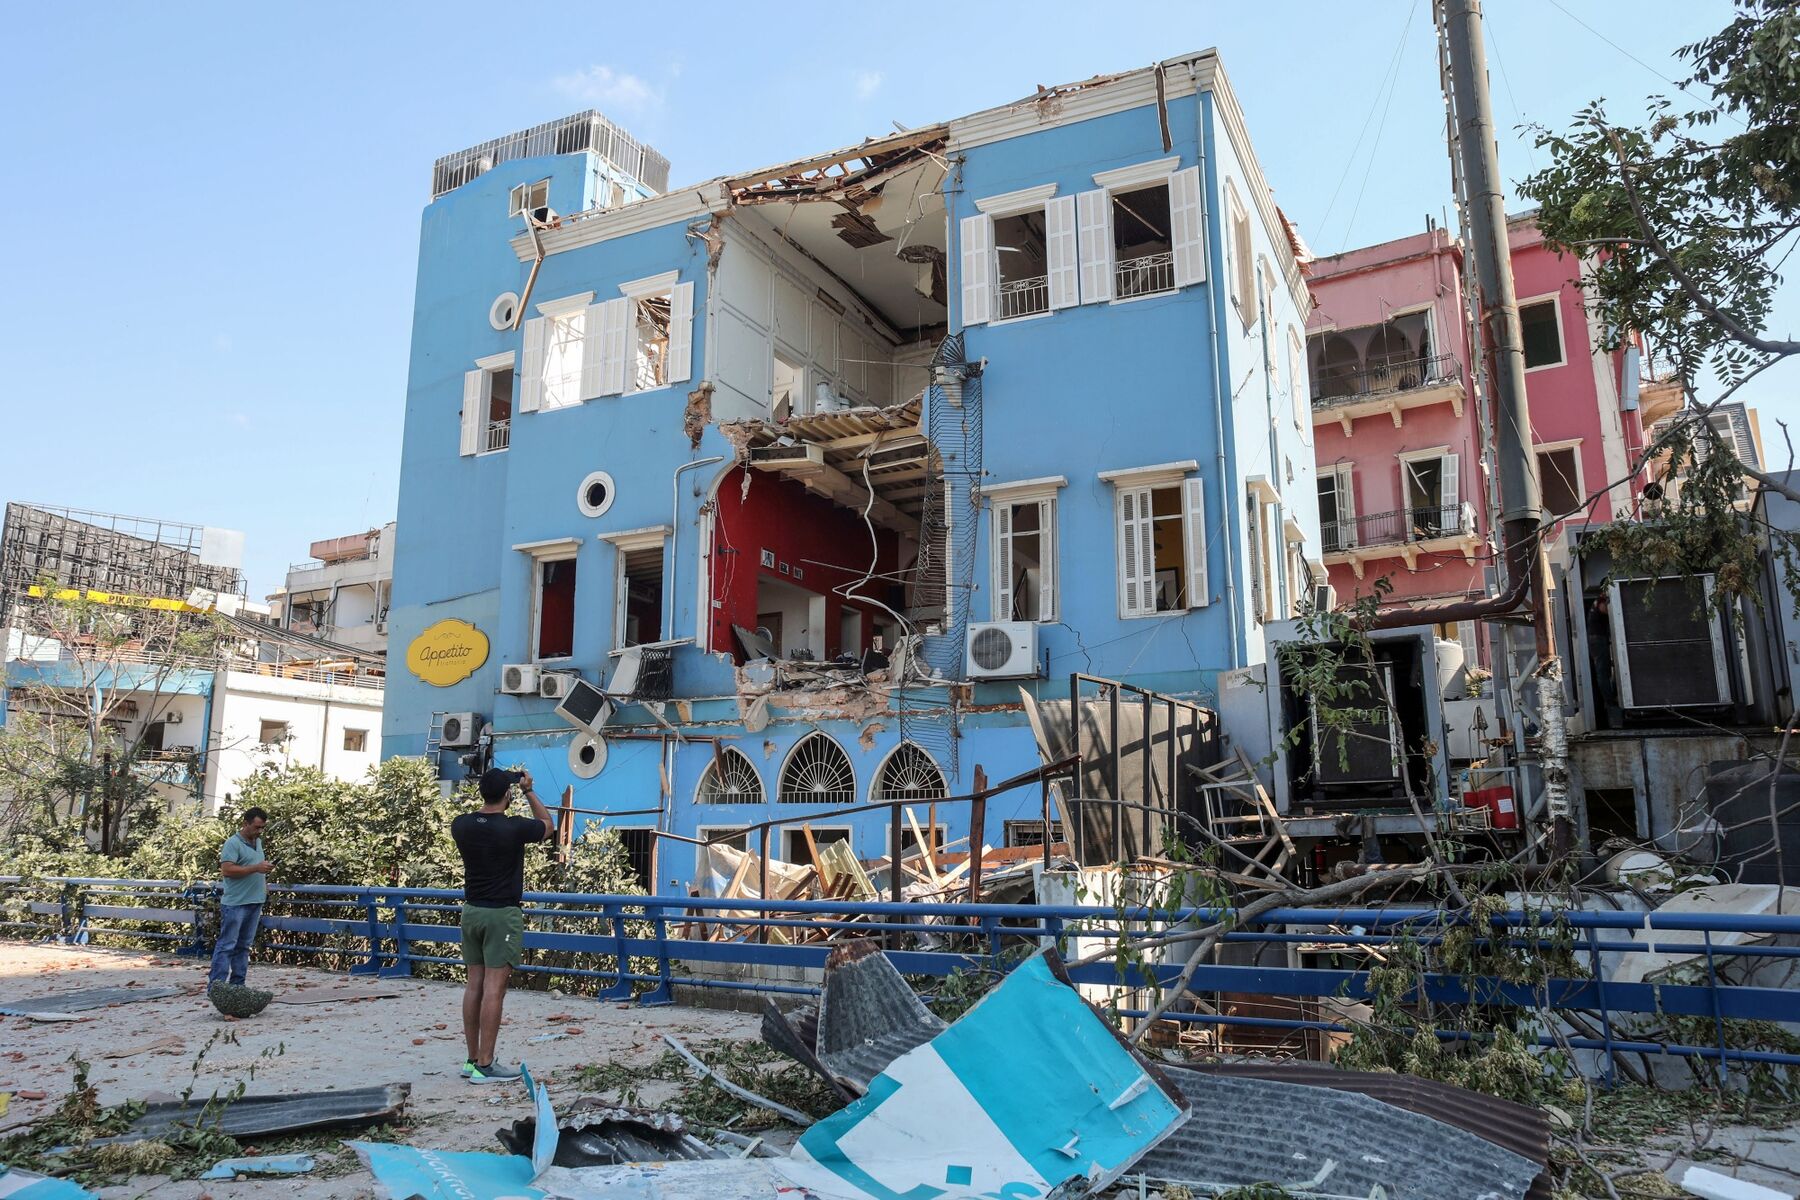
<point x="492" y="937"/>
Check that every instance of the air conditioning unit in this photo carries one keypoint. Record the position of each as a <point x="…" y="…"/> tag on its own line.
<point x="1669" y="644"/>
<point x="556" y="685"/>
<point x="1324" y="598"/>
<point x="1002" y="649"/>
<point x="460" y="730"/>
<point x="519" y="679"/>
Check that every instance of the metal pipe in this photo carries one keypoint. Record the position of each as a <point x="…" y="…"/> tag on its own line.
<point x="674" y="540"/>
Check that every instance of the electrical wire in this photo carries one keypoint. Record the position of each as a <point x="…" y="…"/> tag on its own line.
<point x="1375" y="146"/>
<point x="1349" y="162"/>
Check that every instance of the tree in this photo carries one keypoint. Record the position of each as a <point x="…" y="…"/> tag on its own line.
<point x="1690" y="214"/>
<point x="79" y="744"/>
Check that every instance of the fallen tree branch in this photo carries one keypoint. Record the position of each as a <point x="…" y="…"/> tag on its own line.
<point x="744" y="1094"/>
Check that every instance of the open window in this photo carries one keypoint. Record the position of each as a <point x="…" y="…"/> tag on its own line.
<point x="638" y="583"/>
<point x="270" y="735"/>
<point x="1559" y="480"/>
<point x="564" y="335"/>
<point x="1022" y="265"/>
<point x="1019" y="256"/>
<point x="1141" y="232"/>
<point x="1337" y="508"/>
<point x="1161" y="516"/>
<point x="553" y="617"/>
<point x="488" y="405"/>
<point x="530" y="198"/>
<point x="1143" y="247"/>
<point x="1540" y="330"/>
<point x="800" y="843"/>
<point x="1024" y="539"/>
<point x="1432" y="487"/>
<point x="650" y="341"/>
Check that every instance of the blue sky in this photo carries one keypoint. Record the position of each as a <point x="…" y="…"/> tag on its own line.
<point x="210" y="211"/>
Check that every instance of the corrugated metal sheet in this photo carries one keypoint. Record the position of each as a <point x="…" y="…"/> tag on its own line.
<point x="868" y="1016"/>
<point x="1522" y="1130"/>
<point x="261" y="1116"/>
<point x="68" y="1002"/>
<point x="1246" y="1131"/>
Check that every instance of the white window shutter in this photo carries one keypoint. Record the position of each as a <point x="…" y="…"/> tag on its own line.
<point x="1046" y="560"/>
<point x="681" y="333"/>
<point x="531" y="370"/>
<point x="471" y="412"/>
<point x="1346" y="493"/>
<point x="593" y="353"/>
<point x="1060" y="254"/>
<point x="1094" y="216"/>
<point x="1003" y="589"/>
<point x="1257" y="549"/>
<point x="1194" y="493"/>
<point x="615" y="318"/>
<point x="1137" y="554"/>
<point x="1452" y="493"/>
<point x="1188" y="227"/>
<point x="977" y="269"/>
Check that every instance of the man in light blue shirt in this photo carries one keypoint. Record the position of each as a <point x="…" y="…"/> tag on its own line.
<point x="246" y="869"/>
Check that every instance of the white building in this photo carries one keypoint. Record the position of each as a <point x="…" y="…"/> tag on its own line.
<point x="342" y="593"/>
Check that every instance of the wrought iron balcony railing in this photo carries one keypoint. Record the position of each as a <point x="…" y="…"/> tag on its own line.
<point x="499" y="435"/>
<point x="1024" y="297"/>
<point x="1144" y="276"/>
<point x="1340" y="385"/>
<point x="1399" y="527"/>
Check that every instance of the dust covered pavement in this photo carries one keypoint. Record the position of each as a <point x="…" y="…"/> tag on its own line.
<point x="414" y="1037"/>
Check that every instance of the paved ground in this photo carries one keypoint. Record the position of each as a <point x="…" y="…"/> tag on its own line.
<point x="415" y="1037"/>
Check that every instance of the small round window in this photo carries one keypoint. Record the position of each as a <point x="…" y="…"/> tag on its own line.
<point x="596" y="494"/>
<point x="505" y="309"/>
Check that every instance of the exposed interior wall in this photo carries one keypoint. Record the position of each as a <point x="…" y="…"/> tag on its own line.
<point x="821" y="546"/>
<point x="766" y="304"/>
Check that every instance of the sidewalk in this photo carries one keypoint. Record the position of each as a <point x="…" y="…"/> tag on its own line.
<point x="414" y="1037"/>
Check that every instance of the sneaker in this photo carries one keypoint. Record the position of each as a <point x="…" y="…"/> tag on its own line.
<point x="468" y="1068"/>
<point x="500" y="1071"/>
<point x="480" y="1075"/>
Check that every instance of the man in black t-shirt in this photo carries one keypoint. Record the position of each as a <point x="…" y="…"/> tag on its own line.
<point x="492" y="845"/>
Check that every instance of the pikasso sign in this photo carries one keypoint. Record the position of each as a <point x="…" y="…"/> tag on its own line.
<point x="447" y="653"/>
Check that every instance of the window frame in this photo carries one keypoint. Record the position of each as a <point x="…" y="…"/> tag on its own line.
<point x="706" y="831"/>
<point x="1299" y="387"/>
<point x="567" y="313"/>
<point x="1177" y="475"/>
<point x="362" y="736"/>
<point x="489" y="367"/>
<point x="635" y="292"/>
<point x="1020" y="203"/>
<point x="625" y="542"/>
<point x="263" y="742"/>
<point x="797" y="834"/>
<point x="877" y="783"/>
<point x="537" y="554"/>
<point x="1241" y="252"/>
<point x="787" y="761"/>
<point x="1573" y="446"/>
<point x="518" y="200"/>
<point x="1042" y="492"/>
<point x="1554" y="300"/>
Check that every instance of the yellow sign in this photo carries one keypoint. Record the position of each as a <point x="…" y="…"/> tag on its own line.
<point x="447" y="653"/>
<point x="117" y="599"/>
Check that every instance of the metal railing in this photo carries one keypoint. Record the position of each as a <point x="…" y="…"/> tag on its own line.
<point x="1144" y="276"/>
<point x="572" y="134"/>
<point x="645" y="946"/>
<point x="1399" y="527"/>
<point x="1341" y="385"/>
<point x="314" y="675"/>
<point x="499" y="435"/>
<point x="1024" y="297"/>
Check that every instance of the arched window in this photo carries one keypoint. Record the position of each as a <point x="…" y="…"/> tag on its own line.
<point x="909" y="774"/>
<point x="729" y="779"/>
<point x="817" y="772"/>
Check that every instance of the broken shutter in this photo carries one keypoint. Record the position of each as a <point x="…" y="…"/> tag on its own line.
<point x="1060" y="253"/>
<point x="1257" y="549"/>
<point x="531" y="370"/>
<point x="471" y="412"/>
<point x="1451" y="497"/>
<point x="1346" y="505"/>
<point x="1188" y="227"/>
<point x="1046" y="560"/>
<point x="977" y="269"/>
<point x="1137" y="554"/>
<point x="1194" y="495"/>
<point x="1003" y="590"/>
<point x="681" y="333"/>
<point x="1094" y="215"/>
<point x="615" y="317"/>
<point x="593" y="353"/>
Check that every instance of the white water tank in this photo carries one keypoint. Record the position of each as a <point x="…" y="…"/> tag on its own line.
<point x="1451" y="682"/>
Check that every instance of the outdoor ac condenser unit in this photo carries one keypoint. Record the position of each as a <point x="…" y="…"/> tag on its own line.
<point x="1367" y="751"/>
<point x="519" y="679"/>
<point x="555" y="685"/>
<point x="1668" y="643"/>
<point x="460" y="730"/>
<point x="1002" y="649"/>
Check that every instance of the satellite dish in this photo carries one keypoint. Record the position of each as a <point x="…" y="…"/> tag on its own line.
<point x="587" y="755"/>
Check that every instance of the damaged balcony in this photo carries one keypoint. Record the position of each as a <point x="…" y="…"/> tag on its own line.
<point x="1380" y="370"/>
<point x="1410" y="534"/>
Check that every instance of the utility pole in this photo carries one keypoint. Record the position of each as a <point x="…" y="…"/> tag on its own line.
<point x="1521" y="515"/>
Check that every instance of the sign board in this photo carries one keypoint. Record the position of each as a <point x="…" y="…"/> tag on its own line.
<point x="447" y="653"/>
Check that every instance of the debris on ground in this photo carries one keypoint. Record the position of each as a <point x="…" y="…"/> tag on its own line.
<point x="742" y="1093"/>
<point x="84" y="1000"/>
<point x="236" y="1000"/>
<point x="262" y="1164"/>
<point x="16" y="1184"/>
<point x="162" y="1045"/>
<point x="264" y="1116"/>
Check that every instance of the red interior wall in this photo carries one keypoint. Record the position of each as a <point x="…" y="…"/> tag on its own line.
<point x="803" y="531"/>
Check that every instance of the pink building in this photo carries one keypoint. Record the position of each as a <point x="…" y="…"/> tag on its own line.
<point x="1403" y="477"/>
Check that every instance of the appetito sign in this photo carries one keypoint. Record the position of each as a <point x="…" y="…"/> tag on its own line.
<point x="447" y="653"/>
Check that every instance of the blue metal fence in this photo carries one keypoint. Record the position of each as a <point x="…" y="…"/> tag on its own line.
<point x="387" y="931"/>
